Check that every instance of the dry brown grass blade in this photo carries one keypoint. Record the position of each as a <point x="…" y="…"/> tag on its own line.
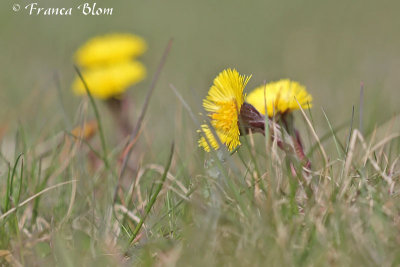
<point x="4" y="253"/>
<point x="358" y="136"/>
<point x="71" y="203"/>
<point x="384" y="141"/>
<point x="369" y="147"/>
<point x="65" y="163"/>
<point x="324" y="155"/>
<point x="257" y="193"/>
<point x="35" y="196"/>
<point x="124" y="210"/>
<point x="84" y="131"/>
<point x="394" y="163"/>
<point x="44" y="148"/>
<point x="389" y="129"/>
<point x="160" y="170"/>
<point x="7" y="255"/>
<point x="348" y="162"/>
<point x="130" y="146"/>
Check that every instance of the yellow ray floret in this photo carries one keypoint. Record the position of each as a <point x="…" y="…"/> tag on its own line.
<point x="110" y="81"/>
<point x="109" y="49"/>
<point x="232" y="143"/>
<point x="223" y="103"/>
<point x="279" y="97"/>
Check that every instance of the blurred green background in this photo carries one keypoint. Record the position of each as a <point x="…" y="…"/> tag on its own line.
<point x="329" y="46"/>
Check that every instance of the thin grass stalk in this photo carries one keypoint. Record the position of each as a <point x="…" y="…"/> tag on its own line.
<point x="321" y="148"/>
<point x="6" y="197"/>
<point x="361" y="108"/>
<point x="333" y="134"/>
<point x="10" y="182"/>
<point x="138" y="125"/>
<point x="350" y="131"/>
<point x="98" y="118"/>
<point x="34" y="197"/>
<point x="154" y="197"/>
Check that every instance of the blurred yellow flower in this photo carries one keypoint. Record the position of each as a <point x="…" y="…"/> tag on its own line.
<point x="88" y="130"/>
<point x="280" y="96"/>
<point x="110" y="81"/>
<point x="223" y="103"/>
<point x="108" y="49"/>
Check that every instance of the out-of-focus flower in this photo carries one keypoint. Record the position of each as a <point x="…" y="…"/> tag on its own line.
<point x="223" y="103"/>
<point x="110" y="81"/>
<point x="279" y="97"/>
<point x="109" y="49"/>
<point x="86" y="132"/>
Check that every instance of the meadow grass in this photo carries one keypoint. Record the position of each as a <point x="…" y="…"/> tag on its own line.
<point x="71" y="201"/>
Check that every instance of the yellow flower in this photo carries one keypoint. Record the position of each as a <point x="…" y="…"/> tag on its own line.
<point x="213" y="141"/>
<point x="88" y="130"/>
<point x="110" y="81"/>
<point x="281" y="96"/>
<point x="109" y="49"/>
<point x="223" y="103"/>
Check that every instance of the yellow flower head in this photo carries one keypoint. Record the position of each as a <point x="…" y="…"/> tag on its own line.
<point x="88" y="130"/>
<point x="110" y="81"/>
<point x="223" y="103"/>
<point x="280" y="97"/>
<point x="109" y="49"/>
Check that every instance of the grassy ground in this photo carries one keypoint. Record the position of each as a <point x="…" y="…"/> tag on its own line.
<point x="246" y="208"/>
<point x="176" y="204"/>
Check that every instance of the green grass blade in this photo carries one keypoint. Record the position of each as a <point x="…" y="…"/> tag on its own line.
<point x="139" y="123"/>
<point x="98" y="118"/>
<point x="10" y="181"/>
<point x="154" y="197"/>
<point x="333" y="135"/>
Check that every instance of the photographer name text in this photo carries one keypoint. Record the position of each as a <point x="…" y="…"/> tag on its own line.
<point x="87" y="9"/>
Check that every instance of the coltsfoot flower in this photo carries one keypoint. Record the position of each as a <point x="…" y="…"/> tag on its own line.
<point x="212" y="140"/>
<point x="110" y="81"/>
<point x="223" y="104"/>
<point x="279" y="97"/>
<point x="88" y="130"/>
<point x="109" y="49"/>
